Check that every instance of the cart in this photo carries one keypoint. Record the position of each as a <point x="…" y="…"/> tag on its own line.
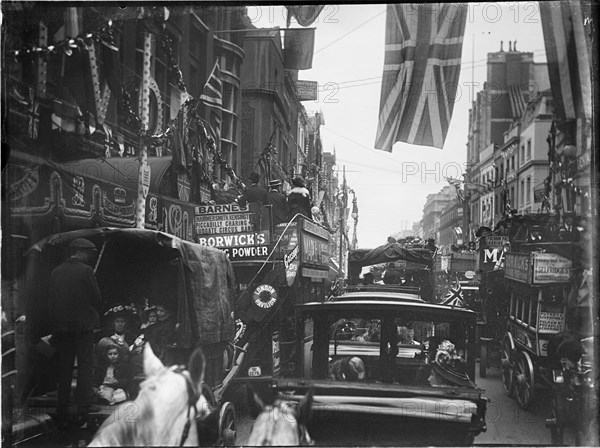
<point x="133" y="264"/>
<point x="536" y="284"/>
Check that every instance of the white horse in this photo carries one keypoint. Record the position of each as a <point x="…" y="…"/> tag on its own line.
<point x="165" y="411"/>
<point x="282" y="423"/>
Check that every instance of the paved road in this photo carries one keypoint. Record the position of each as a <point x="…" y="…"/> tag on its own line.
<point x="507" y="423"/>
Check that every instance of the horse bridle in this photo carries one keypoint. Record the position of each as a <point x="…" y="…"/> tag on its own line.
<point x="193" y="396"/>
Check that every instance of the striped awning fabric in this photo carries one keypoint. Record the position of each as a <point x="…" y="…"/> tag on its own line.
<point x="566" y="26"/>
<point x="517" y="102"/>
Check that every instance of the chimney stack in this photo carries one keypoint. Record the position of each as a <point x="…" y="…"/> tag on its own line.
<point x="501" y="46"/>
<point x="515" y="46"/>
<point x="509" y="45"/>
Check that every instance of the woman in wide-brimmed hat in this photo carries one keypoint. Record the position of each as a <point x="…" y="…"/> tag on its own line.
<point x="122" y="318"/>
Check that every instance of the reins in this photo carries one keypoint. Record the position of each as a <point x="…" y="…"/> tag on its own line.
<point x="193" y="397"/>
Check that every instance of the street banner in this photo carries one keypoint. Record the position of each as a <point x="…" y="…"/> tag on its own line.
<point x="568" y="54"/>
<point x="423" y="48"/>
<point x="299" y="48"/>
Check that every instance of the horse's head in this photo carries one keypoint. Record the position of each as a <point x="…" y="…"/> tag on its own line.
<point x="170" y="399"/>
<point x="281" y="424"/>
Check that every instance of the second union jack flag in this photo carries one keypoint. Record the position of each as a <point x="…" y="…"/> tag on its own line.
<point x="423" y="48"/>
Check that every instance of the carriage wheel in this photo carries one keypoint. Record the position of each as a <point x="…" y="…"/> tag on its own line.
<point x="506" y="361"/>
<point x="227" y="425"/>
<point x="483" y="360"/>
<point x="524" y="380"/>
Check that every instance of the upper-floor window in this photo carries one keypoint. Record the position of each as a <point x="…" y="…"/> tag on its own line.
<point x="529" y="149"/>
<point x="522" y="154"/>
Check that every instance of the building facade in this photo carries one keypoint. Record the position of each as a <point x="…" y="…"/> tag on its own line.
<point x="497" y="138"/>
<point x="434" y="206"/>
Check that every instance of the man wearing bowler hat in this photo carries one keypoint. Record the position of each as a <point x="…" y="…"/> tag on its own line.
<point x="74" y="296"/>
<point x="278" y="202"/>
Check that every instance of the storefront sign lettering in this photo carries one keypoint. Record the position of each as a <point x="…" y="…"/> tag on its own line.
<point x="244" y="239"/>
<point x="210" y="224"/>
<point x="118" y="210"/>
<point x="314" y="250"/>
<point x="224" y="208"/>
<point x="550" y="268"/>
<point x="24" y="186"/>
<point x="289" y="258"/>
<point x="551" y="321"/>
<point x="517" y="267"/>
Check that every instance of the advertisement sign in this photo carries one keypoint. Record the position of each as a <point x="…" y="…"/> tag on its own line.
<point x="517" y="267"/>
<point x="553" y="322"/>
<point x="240" y="246"/>
<point x="307" y="90"/>
<point x="212" y="224"/>
<point x="264" y="296"/>
<point x="223" y="208"/>
<point x="550" y="268"/>
<point x="314" y="250"/>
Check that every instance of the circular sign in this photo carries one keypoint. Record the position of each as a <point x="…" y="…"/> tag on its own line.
<point x="469" y="274"/>
<point x="265" y="296"/>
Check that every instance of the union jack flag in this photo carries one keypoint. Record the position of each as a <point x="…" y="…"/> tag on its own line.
<point x="454" y="297"/>
<point x="423" y="49"/>
<point x="567" y="27"/>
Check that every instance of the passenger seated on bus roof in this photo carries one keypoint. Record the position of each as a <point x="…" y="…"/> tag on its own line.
<point x="347" y="369"/>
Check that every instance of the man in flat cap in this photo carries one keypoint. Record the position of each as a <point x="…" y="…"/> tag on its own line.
<point x="278" y="202"/>
<point x="74" y="296"/>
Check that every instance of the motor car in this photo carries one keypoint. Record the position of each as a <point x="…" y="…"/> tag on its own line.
<point x="418" y="362"/>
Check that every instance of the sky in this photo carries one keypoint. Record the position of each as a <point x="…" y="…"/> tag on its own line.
<point x="391" y="188"/>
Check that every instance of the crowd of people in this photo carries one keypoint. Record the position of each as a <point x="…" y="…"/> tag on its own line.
<point x="284" y="207"/>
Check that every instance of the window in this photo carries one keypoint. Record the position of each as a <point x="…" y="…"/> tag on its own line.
<point x="512" y="162"/>
<point x="521" y="193"/>
<point x="529" y="149"/>
<point x="528" y="191"/>
<point x="522" y="154"/>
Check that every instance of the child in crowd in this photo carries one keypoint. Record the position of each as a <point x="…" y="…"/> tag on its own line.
<point x="151" y="317"/>
<point x="112" y="377"/>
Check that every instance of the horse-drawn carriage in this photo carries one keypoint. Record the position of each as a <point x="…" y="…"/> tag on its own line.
<point x="387" y="372"/>
<point x="196" y="282"/>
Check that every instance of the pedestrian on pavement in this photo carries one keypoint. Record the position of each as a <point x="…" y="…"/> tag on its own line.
<point x="278" y="202"/>
<point x="74" y="297"/>
<point x="254" y="192"/>
<point x="299" y="199"/>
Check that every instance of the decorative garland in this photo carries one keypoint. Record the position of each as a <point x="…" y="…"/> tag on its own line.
<point x="105" y="36"/>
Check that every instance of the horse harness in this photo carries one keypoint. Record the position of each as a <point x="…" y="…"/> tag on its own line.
<point x="193" y="396"/>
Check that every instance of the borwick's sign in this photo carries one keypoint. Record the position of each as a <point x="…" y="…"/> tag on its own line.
<point x="239" y="246"/>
